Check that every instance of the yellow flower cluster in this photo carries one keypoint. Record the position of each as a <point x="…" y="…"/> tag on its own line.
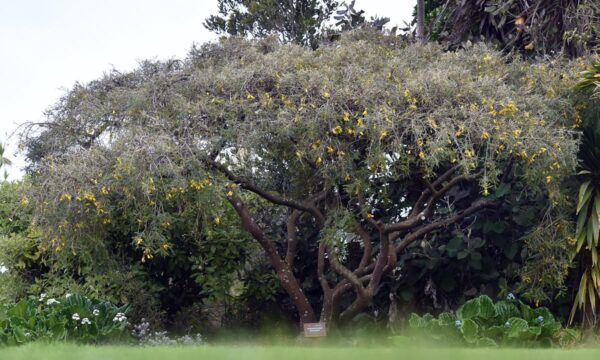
<point x="508" y="109"/>
<point x="199" y="185"/>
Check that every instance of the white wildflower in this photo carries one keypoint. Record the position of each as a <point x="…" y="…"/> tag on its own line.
<point x="52" y="301"/>
<point x="85" y="321"/>
<point x="76" y="317"/>
<point x="120" y="317"/>
<point x="96" y="312"/>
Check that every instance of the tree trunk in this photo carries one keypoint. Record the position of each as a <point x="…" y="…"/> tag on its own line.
<point x="286" y="277"/>
<point x="421" y="38"/>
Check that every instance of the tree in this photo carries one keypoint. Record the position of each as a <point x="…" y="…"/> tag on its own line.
<point x="335" y="162"/>
<point x="421" y="36"/>
<point x="295" y="21"/>
<point x="538" y="27"/>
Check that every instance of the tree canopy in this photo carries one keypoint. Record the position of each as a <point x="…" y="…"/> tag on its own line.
<point x="334" y="161"/>
<point x="297" y="21"/>
<point x="533" y="27"/>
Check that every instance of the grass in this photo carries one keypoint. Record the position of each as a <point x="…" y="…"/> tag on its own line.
<point x="67" y="352"/>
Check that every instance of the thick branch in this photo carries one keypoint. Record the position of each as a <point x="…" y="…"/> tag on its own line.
<point x="367" y="246"/>
<point x="348" y="275"/>
<point x="425" y="194"/>
<point x="415" y="219"/>
<point x="274" y="198"/>
<point x="321" y="269"/>
<point x="410" y="238"/>
<point x="382" y="260"/>
<point x="286" y="277"/>
<point x="292" y="239"/>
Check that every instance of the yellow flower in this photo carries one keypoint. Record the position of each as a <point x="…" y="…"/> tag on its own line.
<point x="346" y="116"/>
<point x="383" y="134"/>
<point x="319" y="161"/>
<point x="65" y="197"/>
<point x="230" y="194"/>
<point x="104" y="190"/>
<point x="138" y="241"/>
<point x="330" y="150"/>
<point x="509" y="109"/>
<point x="360" y="123"/>
<point x="106" y="221"/>
<point x="24" y="201"/>
<point x="523" y="154"/>
<point x="469" y="153"/>
<point x="421" y="155"/>
<point x="433" y="124"/>
<point x="326" y="95"/>
<point x="485" y="135"/>
<point x="460" y="131"/>
<point x="217" y="220"/>
<point x="166" y="247"/>
<point x="350" y="131"/>
<point x="337" y="130"/>
<point x="406" y="93"/>
<point x="548" y="179"/>
<point x="516" y="133"/>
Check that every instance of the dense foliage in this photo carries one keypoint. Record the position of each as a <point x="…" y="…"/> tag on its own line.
<point x="588" y="202"/>
<point x="532" y="27"/>
<point x="482" y="322"/>
<point x="72" y="318"/>
<point x="297" y="21"/>
<point x="338" y="162"/>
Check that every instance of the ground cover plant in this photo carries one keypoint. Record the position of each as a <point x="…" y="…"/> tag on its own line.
<point x="73" y="318"/>
<point x="509" y="322"/>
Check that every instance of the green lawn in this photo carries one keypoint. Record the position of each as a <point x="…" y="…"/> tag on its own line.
<point x="66" y="352"/>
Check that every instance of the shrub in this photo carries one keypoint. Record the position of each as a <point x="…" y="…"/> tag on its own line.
<point x="481" y="322"/>
<point x="74" y="318"/>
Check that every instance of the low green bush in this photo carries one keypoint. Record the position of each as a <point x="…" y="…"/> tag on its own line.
<point x="481" y="322"/>
<point x="73" y="318"/>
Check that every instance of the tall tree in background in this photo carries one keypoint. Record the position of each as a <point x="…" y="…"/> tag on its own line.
<point x="421" y="37"/>
<point x="295" y="21"/>
<point x="533" y="27"/>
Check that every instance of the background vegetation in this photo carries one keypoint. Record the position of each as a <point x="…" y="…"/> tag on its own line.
<point x="348" y="176"/>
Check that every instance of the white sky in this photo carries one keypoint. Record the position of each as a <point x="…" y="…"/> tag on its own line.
<point x="47" y="46"/>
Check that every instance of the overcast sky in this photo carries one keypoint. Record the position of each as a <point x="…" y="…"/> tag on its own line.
<point x="47" y="46"/>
